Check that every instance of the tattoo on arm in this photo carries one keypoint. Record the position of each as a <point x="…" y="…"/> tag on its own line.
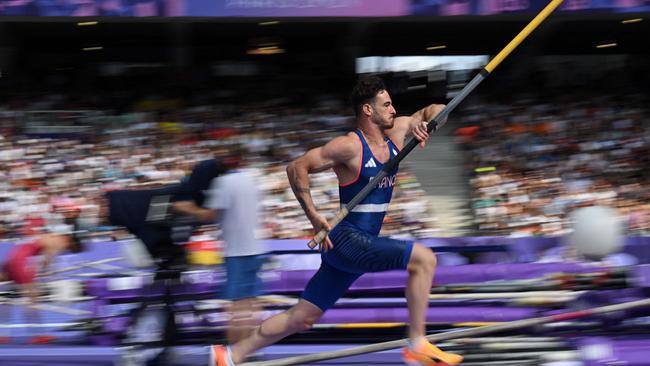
<point x="303" y="195"/>
<point x="303" y="203"/>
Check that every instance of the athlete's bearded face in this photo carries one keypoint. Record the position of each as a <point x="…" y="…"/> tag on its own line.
<point x="383" y="112"/>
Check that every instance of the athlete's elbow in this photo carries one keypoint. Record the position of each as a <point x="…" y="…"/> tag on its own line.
<point x="433" y="110"/>
<point x="295" y="169"/>
<point x="291" y="170"/>
<point x="291" y="166"/>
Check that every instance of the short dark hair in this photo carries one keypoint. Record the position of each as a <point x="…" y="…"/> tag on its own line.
<point x="366" y="89"/>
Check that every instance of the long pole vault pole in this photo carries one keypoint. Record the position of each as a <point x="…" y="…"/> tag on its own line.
<point x="464" y="333"/>
<point x="437" y="121"/>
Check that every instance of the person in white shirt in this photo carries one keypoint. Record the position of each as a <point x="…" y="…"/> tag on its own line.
<point x="234" y="201"/>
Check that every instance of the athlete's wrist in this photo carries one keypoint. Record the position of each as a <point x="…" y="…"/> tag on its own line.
<point x="313" y="216"/>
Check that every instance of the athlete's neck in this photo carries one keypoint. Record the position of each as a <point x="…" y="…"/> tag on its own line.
<point x="374" y="136"/>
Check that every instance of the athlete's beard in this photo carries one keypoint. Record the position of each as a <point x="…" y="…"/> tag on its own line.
<point x="383" y="123"/>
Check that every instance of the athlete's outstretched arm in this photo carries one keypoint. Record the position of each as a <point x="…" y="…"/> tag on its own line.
<point x="428" y="113"/>
<point x="341" y="150"/>
<point x="415" y="124"/>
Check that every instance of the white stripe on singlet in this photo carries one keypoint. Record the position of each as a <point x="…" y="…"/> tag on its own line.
<point x="371" y="207"/>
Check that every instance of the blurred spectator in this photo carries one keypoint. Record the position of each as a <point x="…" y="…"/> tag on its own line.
<point x="19" y="268"/>
<point x="234" y="201"/>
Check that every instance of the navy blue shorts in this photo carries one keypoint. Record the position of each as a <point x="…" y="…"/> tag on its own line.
<point x="354" y="253"/>
<point x="242" y="280"/>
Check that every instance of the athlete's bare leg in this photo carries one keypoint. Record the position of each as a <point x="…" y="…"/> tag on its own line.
<point x="421" y="268"/>
<point x="297" y="319"/>
<point x="244" y="319"/>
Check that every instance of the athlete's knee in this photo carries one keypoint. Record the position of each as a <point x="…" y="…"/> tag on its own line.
<point x="301" y="319"/>
<point x="422" y="259"/>
<point x="301" y="322"/>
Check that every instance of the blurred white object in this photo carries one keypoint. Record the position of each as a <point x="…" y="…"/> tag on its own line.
<point x="61" y="229"/>
<point x="597" y="232"/>
<point x="136" y="254"/>
<point x="65" y="290"/>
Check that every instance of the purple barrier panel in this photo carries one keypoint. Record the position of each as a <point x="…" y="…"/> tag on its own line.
<point x="530" y="249"/>
<point x="607" y="297"/>
<point x="185" y="355"/>
<point x="93" y="252"/>
<point x="106" y="340"/>
<point x="506" y="271"/>
<point x="389" y="302"/>
<point x="57" y="355"/>
<point x="641" y="277"/>
<point x="192" y="283"/>
<point x="295" y="281"/>
<point x="639" y="247"/>
<point x="123" y="287"/>
<point x="466" y="241"/>
<point x="200" y="282"/>
<point x="524" y="249"/>
<point x="191" y="319"/>
<point x="434" y="315"/>
<point x="444" y="315"/>
<point x="592" y="299"/>
<point x="117" y="324"/>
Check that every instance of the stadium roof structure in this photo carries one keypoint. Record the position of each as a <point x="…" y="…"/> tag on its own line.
<point x="332" y="41"/>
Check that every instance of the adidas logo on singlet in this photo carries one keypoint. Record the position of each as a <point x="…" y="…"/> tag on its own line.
<point x="371" y="163"/>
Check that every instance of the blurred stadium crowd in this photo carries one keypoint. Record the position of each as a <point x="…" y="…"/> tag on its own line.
<point x="533" y="161"/>
<point x="71" y="158"/>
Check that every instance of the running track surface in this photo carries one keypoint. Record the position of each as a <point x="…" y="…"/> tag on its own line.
<point x="185" y="355"/>
<point x="15" y="322"/>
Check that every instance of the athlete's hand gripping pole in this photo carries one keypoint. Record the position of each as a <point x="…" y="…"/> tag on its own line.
<point x="437" y="122"/>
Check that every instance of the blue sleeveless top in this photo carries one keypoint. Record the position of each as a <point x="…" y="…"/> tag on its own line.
<point x="369" y="214"/>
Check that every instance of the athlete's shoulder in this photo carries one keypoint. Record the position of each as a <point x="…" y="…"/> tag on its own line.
<point x="344" y="147"/>
<point x="349" y="138"/>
